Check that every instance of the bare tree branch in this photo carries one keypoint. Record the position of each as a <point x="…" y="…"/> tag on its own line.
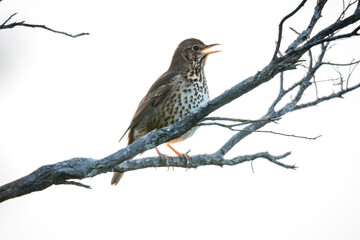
<point x="79" y="184"/>
<point x="200" y="160"/>
<point x="278" y="43"/>
<point x="283" y="134"/>
<point x="5" y="25"/>
<point x="236" y="119"/>
<point x="325" y="98"/>
<point x="79" y="168"/>
<point x="239" y="121"/>
<point x="306" y="33"/>
<point x="244" y="122"/>
<point x="342" y="64"/>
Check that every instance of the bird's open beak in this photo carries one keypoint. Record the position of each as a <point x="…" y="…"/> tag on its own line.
<point x="207" y="50"/>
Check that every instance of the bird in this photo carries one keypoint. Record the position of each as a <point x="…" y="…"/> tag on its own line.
<point x="179" y="91"/>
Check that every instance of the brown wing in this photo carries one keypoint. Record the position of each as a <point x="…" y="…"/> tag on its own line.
<point x="153" y="97"/>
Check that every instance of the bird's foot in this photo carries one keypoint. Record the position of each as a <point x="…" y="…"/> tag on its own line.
<point x="164" y="157"/>
<point x="183" y="156"/>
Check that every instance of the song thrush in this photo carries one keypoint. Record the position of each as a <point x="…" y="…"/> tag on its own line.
<point x="176" y="93"/>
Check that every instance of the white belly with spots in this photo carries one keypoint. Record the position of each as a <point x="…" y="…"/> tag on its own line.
<point x="193" y="96"/>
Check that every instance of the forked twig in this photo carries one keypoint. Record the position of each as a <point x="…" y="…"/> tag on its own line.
<point x="23" y="24"/>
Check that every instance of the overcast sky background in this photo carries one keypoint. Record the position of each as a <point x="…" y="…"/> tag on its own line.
<point x="62" y="98"/>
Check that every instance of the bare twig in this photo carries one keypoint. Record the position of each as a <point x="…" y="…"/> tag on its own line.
<point x="292" y="29"/>
<point x="282" y="134"/>
<point x="306" y="33"/>
<point x="2" y="25"/>
<point x="23" y="24"/>
<point x="237" y="119"/>
<point x="79" y="184"/>
<point x="231" y="126"/>
<point x="346" y="8"/>
<point x="325" y="98"/>
<point x="341" y="64"/>
<point x="278" y="42"/>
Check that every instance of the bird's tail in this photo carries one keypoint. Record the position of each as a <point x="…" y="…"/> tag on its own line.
<point x="116" y="178"/>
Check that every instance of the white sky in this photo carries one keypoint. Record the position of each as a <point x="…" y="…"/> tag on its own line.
<point x="62" y="98"/>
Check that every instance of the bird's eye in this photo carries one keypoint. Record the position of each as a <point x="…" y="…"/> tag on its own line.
<point x="196" y="48"/>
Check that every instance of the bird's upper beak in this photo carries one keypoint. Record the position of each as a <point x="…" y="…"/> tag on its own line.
<point x="207" y="50"/>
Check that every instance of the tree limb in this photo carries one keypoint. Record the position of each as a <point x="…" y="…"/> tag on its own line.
<point x="23" y="24"/>
<point x="325" y="98"/>
<point x="278" y="43"/>
<point x="79" y="168"/>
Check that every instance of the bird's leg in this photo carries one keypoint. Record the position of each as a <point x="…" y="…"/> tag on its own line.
<point x="164" y="157"/>
<point x="181" y="155"/>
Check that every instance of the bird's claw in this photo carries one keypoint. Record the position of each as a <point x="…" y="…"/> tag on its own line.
<point x="183" y="156"/>
<point x="164" y="158"/>
<point x="186" y="157"/>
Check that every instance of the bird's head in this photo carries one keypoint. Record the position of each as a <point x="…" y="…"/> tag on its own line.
<point x="191" y="52"/>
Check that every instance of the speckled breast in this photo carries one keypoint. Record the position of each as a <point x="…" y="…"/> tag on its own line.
<point x="191" y="92"/>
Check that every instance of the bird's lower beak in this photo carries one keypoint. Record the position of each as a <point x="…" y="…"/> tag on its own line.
<point x="207" y="50"/>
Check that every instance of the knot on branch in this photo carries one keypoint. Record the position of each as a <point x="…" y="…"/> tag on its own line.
<point x="289" y="61"/>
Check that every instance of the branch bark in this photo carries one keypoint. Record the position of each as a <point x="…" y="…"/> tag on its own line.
<point x="79" y="168"/>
